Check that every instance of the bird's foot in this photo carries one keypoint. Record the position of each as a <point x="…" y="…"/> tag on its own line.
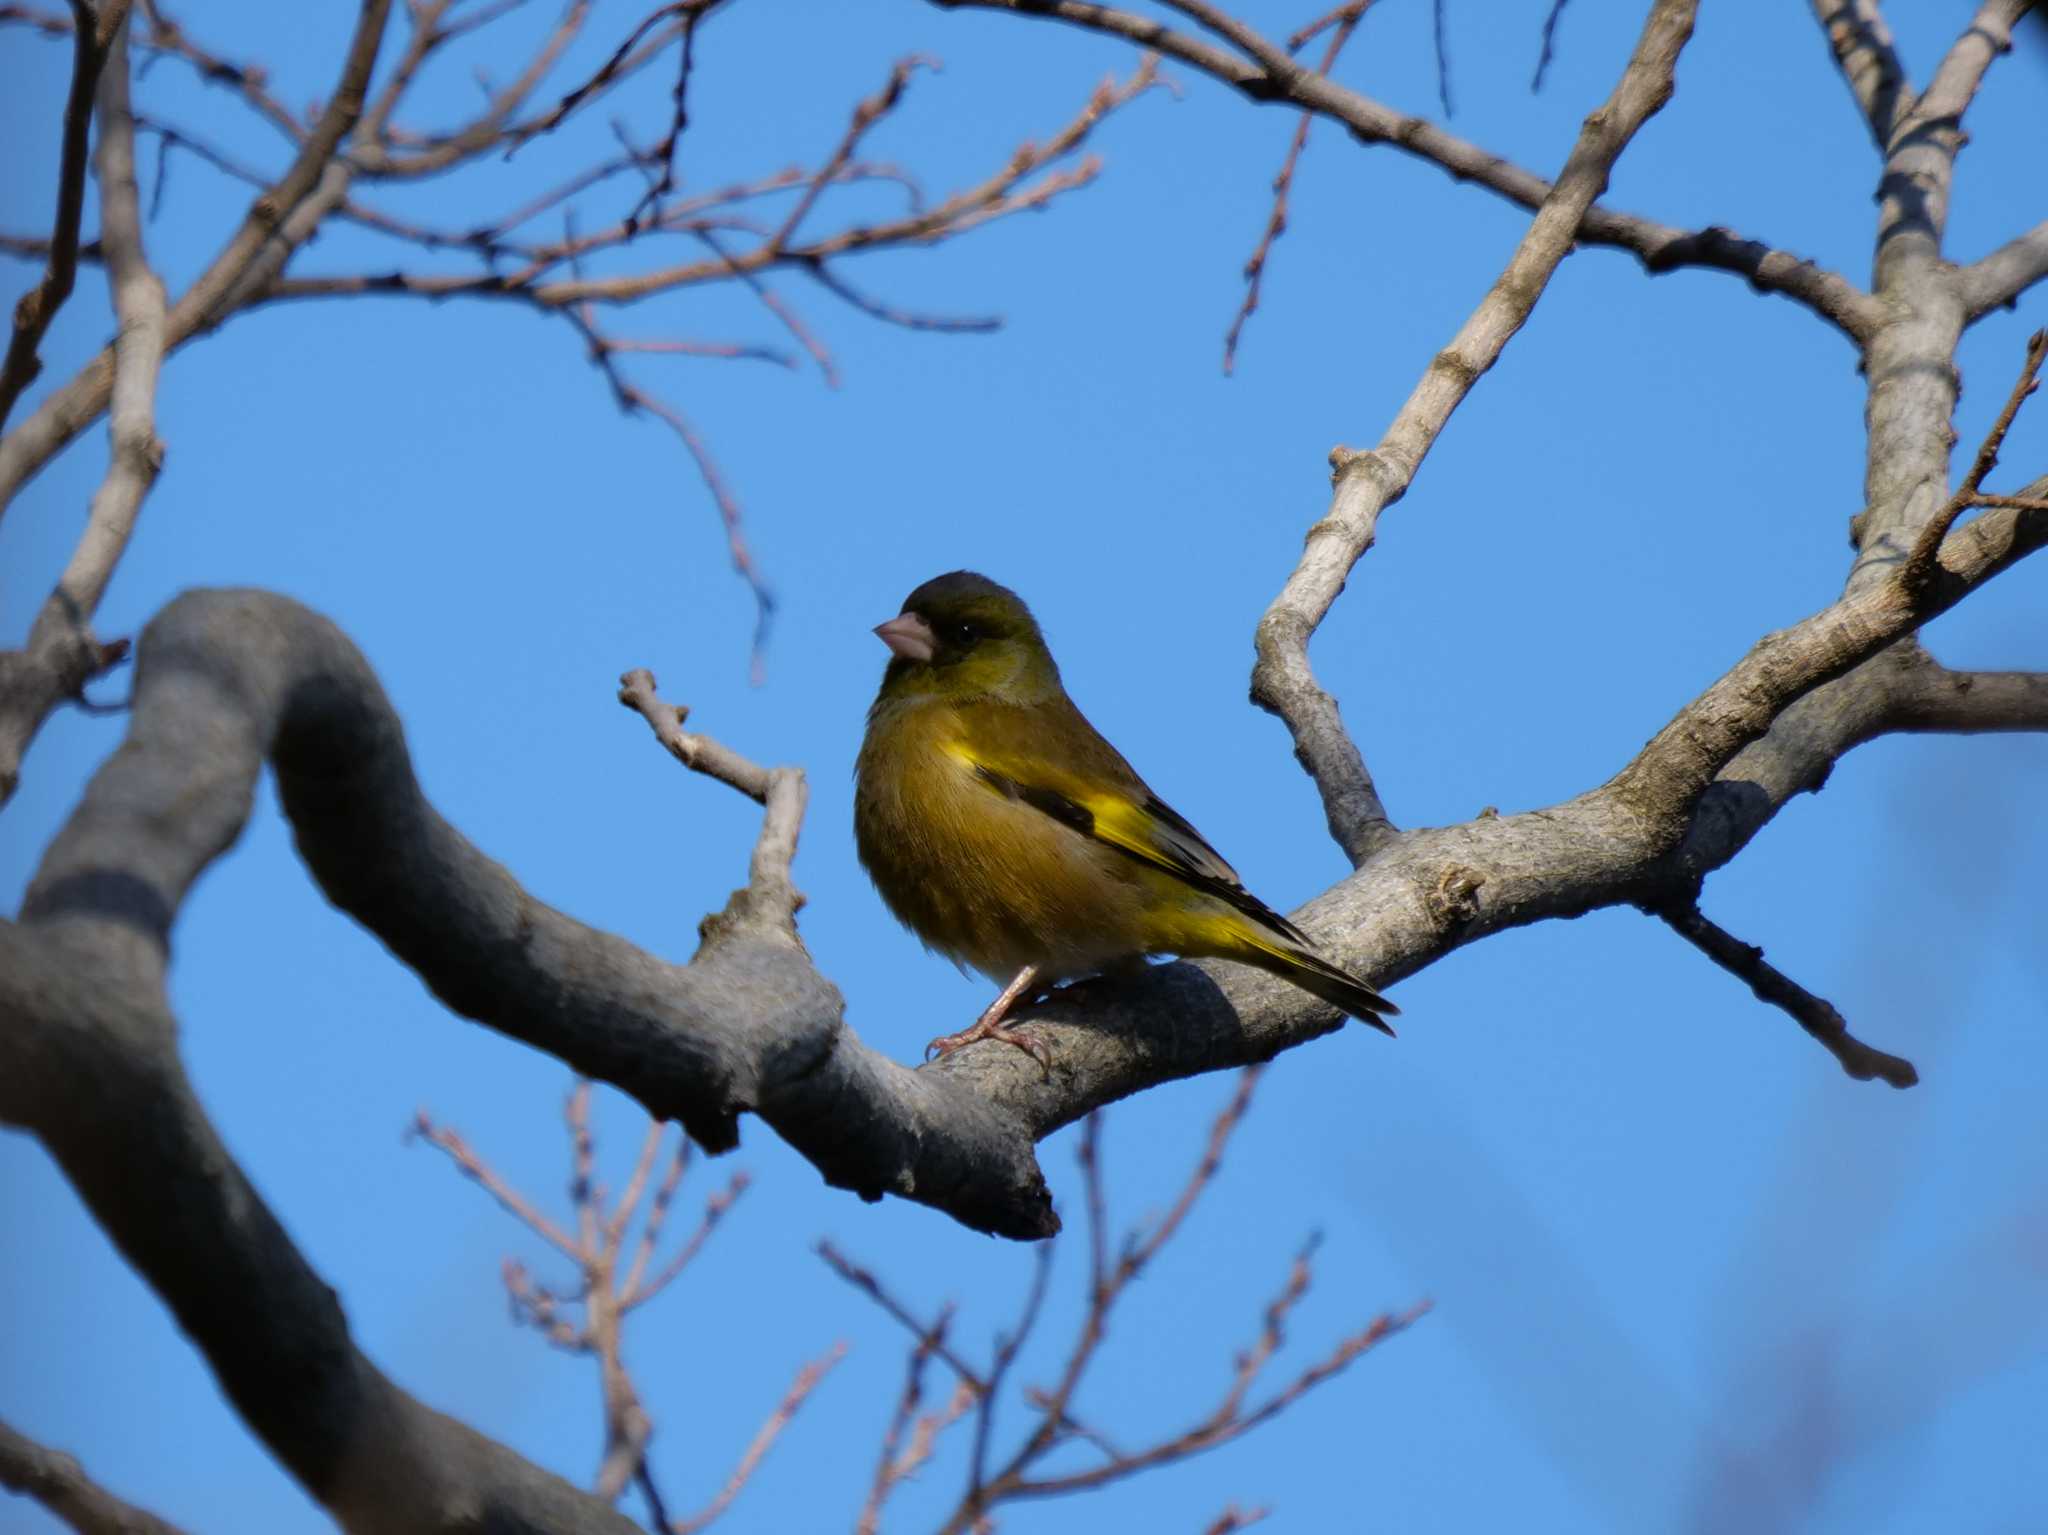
<point x="990" y="1028"/>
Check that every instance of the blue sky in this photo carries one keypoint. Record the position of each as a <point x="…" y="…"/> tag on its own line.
<point x="1687" y="1276"/>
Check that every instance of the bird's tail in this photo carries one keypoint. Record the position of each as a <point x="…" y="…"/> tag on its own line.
<point x="1317" y="976"/>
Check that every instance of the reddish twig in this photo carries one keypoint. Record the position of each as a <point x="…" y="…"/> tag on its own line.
<point x="1345" y="19"/>
<point x="715" y="1209"/>
<point x="606" y="1296"/>
<point x="1056" y="1424"/>
<point x="800" y="1390"/>
<point x="1920" y="564"/>
<point x="476" y="1169"/>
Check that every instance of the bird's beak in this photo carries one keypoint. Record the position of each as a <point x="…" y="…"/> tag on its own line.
<point x="908" y="636"/>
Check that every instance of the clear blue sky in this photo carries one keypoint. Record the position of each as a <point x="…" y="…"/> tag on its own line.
<point x="1687" y="1275"/>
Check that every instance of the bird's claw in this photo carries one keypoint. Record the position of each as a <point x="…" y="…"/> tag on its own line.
<point x="1030" y="1044"/>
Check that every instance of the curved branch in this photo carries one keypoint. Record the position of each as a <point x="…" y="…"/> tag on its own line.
<point x="1659" y="247"/>
<point x="226" y="680"/>
<point x="92" y="1069"/>
<point x="1366" y="484"/>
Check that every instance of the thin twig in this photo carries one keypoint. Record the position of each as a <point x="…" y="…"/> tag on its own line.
<point x="1920" y="565"/>
<point x="91" y="38"/>
<point x="1345" y="18"/>
<point x="799" y="1392"/>
<point x="1548" y="50"/>
<point x="481" y="1172"/>
<point x="1814" y="1014"/>
<point x="1443" y="57"/>
<point x="59" y="1483"/>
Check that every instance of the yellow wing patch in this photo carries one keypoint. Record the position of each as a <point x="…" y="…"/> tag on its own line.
<point x="1149" y="830"/>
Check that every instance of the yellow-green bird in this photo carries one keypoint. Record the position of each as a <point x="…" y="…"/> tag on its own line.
<point x="1006" y="833"/>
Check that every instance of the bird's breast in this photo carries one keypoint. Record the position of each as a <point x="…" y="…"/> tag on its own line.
<point x="983" y="878"/>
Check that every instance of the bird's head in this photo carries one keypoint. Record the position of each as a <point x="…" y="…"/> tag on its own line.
<point x="961" y="635"/>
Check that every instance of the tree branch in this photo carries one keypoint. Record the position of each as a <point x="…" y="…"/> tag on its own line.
<point x="1909" y="362"/>
<point x="780" y="791"/>
<point x="1996" y="281"/>
<point x="1939" y="701"/>
<point x="1813" y="1014"/>
<point x="1869" y="64"/>
<point x="59" y="1483"/>
<point x="91" y="37"/>
<point x="1659" y="247"/>
<point x="61" y="654"/>
<point x="266" y="227"/>
<point x="89" y="1064"/>
<point x="1365" y="484"/>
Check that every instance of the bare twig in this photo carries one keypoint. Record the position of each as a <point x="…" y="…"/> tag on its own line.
<point x="800" y="1390"/>
<point x="869" y="111"/>
<point x="59" y="1483"/>
<point x="1438" y="35"/>
<point x="1920" y="565"/>
<point x="781" y="790"/>
<point x="607" y="1296"/>
<point x="91" y="38"/>
<point x="482" y="1173"/>
<point x="1233" y="1519"/>
<point x="633" y="1293"/>
<point x="679" y="120"/>
<point x="169" y="39"/>
<point x="864" y="1280"/>
<point x="1106" y="1282"/>
<point x="1813" y="1014"/>
<point x="1660" y="247"/>
<point x="1548" y="48"/>
<point x="1217" y="1429"/>
<point x="1345" y="19"/>
<point x="887" y="1458"/>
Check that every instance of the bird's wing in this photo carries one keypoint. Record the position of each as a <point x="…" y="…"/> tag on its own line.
<point x="1064" y="768"/>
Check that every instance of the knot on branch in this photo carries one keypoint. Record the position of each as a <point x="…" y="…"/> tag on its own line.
<point x="1454" y="900"/>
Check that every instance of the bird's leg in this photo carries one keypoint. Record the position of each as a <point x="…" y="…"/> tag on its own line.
<point x="990" y="1025"/>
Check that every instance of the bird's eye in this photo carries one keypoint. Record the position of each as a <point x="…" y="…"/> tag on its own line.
<point x="962" y="633"/>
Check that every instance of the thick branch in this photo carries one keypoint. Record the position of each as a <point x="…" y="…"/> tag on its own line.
<point x="59" y="1483"/>
<point x="1367" y="483"/>
<point x="89" y="1065"/>
<point x="1910" y="360"/>
<point x="227" y="679"/>
<point x="1659" y="247"/>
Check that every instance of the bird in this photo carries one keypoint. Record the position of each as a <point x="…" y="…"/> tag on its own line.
<point x="1006" y="833"/>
